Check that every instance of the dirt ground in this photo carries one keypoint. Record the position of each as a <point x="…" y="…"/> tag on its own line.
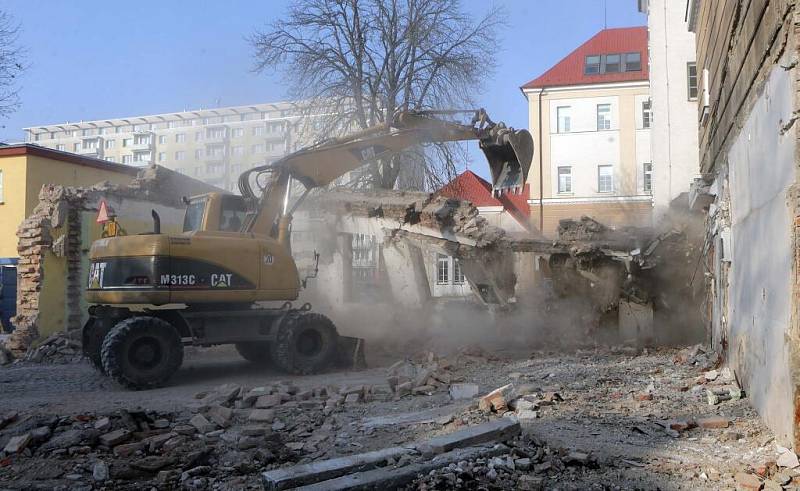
<point x="617" y="407"/>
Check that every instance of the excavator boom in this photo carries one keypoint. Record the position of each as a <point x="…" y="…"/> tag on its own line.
<point x="508" y="151"/>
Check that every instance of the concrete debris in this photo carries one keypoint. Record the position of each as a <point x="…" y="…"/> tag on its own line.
<point x="788" y="459"/>
<point x="58" y="348"/>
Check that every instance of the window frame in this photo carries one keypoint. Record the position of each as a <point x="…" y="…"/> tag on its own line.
<point x="647" y="177"/>
<point x="586" y="65"/>
<point x="638" y="62"/>
<point x="568" y="120"/>
<point x="618" y="63"/>
<point x="568" y="183"/>
<point x="600" y="177"/>
<point x="689" y="66"/>
<point x="442" y="269"/>
<point x="606" y="119"/>
<point x="647" y="114"/>
<point x="458" y="273"/>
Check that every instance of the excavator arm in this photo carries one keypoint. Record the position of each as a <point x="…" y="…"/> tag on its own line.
<point x="509" y="153"/>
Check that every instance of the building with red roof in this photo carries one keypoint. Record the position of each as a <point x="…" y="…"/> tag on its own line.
<point x="590" y="118"/>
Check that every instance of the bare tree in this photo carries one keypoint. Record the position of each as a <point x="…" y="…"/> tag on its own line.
<point x="11" y="64"/>
<point x="361" y="60"/>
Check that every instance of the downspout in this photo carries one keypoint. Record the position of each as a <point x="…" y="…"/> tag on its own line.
<point x="541" y="168"/>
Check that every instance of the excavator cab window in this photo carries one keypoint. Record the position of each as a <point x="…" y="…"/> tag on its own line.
<point x="232" y="213"/>
<point x="193" y="220"/>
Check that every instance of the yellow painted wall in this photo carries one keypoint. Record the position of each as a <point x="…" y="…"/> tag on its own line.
<point x="52" y="308"/>
<point x="23" y="177"/>
<point x="13" y="205"/>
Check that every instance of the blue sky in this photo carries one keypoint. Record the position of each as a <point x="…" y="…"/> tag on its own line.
<point x="94" y="59"/>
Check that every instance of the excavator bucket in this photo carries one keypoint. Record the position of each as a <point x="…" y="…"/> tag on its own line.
<point x="510" y="153"/>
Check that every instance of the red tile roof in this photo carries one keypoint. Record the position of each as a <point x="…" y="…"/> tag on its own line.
<point x="471" y="187"/>
<point x="570" y="70"/>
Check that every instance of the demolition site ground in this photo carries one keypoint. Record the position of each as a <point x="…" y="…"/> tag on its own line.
<point x="597" y="418"/>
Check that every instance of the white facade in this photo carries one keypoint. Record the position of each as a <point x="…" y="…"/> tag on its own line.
<point x="589" y="148"/>
<point x="674" y="129"/>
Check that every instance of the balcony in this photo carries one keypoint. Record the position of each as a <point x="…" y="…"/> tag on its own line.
<point x="143" y="140"/>
<point x="217" y="133"/>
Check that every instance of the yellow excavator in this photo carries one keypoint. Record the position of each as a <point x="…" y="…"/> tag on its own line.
<point x="212" y="284"/>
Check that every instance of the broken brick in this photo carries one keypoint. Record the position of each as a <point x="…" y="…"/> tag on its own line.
<point x="714" y="422"/>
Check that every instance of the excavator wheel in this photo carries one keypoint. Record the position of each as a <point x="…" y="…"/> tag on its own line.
<point x="142" y="352"/>
<point x="257" y="353"/>
<point x="305" y="343"/>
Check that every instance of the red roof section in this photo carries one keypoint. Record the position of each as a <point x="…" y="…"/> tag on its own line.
<point x="570" y="70"/>
<point x="471" y="187"/>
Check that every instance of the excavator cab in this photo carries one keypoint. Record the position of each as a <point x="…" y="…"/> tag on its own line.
<point x="214" y="212"/>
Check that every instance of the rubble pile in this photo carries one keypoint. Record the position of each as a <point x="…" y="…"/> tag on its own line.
<point x="407" y="377"/>
<point x="528" y="464"/>
<point x="57" y="348"/>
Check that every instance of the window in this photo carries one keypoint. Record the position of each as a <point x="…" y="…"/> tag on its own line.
<point x="162" y="139"/>
<point x="592" y="65"/>
<point x="162" y="156"/>
<point x="442" y="269"/>
<point x="2" y="194"/>
<point x="565" y="179"/>
<point x="90" y="144"/>
<point x="237" y="132"/>
<point x="691" y="79"/>
<point x="273" y="147"/>
<point x="260" y="148"/>
<point x="237" y="151"/>
<point x="216" y="133"/>
<point x="198" y="154"/>
<point x="603" y="117"/>
<point x="61" y="147"/>
<point x="180" y="155"/>
<point x="458" y="274"/>
<point x="215" y="151"/>
<point x="259" y="130"/>
<point x="647" y="177"/>
<point x="141" y="140"/>
<point x="76" y="147"/>
<point x="110" y="159"/>
<point x="180" y="138"/>
<point x="142" y="157"/>
<point x="127" y="159"/>
<point x="215" y="168"/>
<point x="562" y="113"/>
<point x="127" y="142"/>
<point x="111" y="143"/>
<point x="633" y="62"/>
<point x="647" y="113"/>
<point x="613" y="64"/>
<point x="605" y="179"/>
<point x="198" y="136"/>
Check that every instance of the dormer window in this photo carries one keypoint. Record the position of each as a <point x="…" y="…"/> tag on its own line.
<point x="633" y="62"/>
<point x="592" y="65"/>
<point x="613" y="63"/>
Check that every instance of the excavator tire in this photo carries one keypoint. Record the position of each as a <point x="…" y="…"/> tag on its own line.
<point x="257" y="353"/>
<point x="305" y="343"/>
<point x="142" y="352"/>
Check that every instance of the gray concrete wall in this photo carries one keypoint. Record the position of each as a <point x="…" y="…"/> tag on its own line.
<point x="761" y="166"/>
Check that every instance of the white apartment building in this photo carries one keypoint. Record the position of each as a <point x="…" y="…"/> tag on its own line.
<point x="673" y="89"/>
<point x="211" y="145"/>
<point x="590" y="116"/>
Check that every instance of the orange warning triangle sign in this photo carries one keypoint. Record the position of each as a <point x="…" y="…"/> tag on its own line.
<point x="102" y="215"/>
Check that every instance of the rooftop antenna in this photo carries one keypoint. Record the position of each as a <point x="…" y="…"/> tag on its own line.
<point x="605" y="14"/>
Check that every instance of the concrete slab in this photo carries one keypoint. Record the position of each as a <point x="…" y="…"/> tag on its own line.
<point x="299" y="475"/>
<point x="396" y="477"/>
<point x="416" y="417"/>
<point x="493" y="431"/>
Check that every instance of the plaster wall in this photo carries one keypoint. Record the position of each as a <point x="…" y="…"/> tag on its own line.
<point x="674" y="129"/>
<point x="761" y="169"/>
